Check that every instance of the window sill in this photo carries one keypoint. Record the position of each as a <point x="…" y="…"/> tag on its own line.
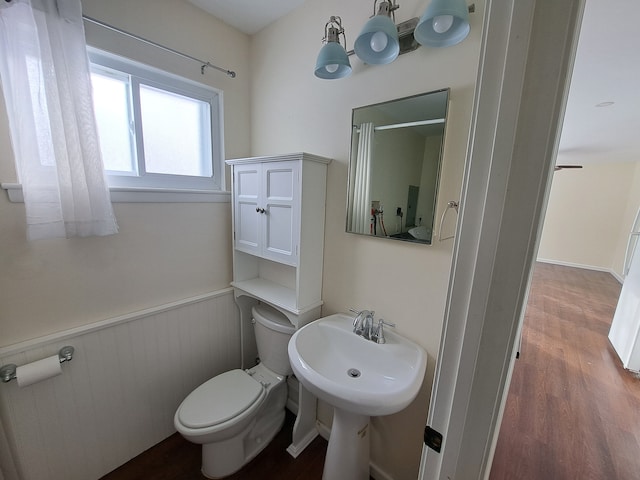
<point x="141" y="195"/>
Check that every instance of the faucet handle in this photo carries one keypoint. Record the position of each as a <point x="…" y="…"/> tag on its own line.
<point x="378" y="335"/>
<point x="383" y="322"/>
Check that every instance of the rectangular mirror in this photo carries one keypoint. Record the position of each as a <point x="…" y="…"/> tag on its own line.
<point x="394" y="167"/>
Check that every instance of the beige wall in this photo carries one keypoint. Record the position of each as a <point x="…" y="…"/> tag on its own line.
<point x="164" y="252"/>
<point x="589" y="215"/>
<point x="292" y="111"/>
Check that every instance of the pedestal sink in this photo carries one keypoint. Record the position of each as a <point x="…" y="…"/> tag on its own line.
<point x="360" y="379"/>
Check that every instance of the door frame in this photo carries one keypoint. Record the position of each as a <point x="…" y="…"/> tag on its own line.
<point x="527" y="55"/>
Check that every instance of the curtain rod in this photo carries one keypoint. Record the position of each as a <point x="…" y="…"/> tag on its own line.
<point x="410" y="124"/>
<point x="204" y="64"/>
<point x="404" y="125"/>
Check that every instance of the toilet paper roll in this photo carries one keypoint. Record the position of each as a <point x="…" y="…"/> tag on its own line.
<point x="38" y="371"/>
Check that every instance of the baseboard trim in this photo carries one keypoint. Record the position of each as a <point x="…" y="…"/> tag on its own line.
<point x="295" y="450"/>
<point x="580" y="265"/>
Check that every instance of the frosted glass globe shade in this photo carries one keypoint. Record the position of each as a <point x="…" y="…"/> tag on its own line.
<point x="442" y="23"/>
<point x="379" y="41"/>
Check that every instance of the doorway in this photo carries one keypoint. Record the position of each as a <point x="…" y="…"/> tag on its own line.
<point x="567" y="373"/>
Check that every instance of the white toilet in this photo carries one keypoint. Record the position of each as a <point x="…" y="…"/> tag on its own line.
<point x="237" y="413"/>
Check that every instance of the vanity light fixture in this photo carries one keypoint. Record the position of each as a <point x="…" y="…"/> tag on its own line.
<point x="378" y="42"/>
<point x="333" y="61"/>
<point x="444" y="23"/>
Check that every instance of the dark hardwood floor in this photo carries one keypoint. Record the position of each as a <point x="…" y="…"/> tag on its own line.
<point x="177" y="459"/>
<point x="572" y="412"/>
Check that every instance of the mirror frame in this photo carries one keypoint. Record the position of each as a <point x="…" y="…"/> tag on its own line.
<point x="402" y="235"/>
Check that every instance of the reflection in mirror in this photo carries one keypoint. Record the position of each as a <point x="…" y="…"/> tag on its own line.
<point x="396" y="153"/>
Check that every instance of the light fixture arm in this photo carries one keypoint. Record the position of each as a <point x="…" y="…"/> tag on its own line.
<point x="332" y="31"/>
<point x="386" y="7"/>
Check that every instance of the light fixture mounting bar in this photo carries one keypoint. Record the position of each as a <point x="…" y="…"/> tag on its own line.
<point x="405" y="35"/>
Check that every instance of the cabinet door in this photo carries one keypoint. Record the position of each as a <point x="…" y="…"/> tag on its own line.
<point x="281" y="217"/>
<point x="247" y="183"/>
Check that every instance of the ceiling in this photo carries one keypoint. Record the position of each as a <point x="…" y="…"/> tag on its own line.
<point x="607" y="68"/>
<point x="248" y="16"/>
<point x="602" y="120"/>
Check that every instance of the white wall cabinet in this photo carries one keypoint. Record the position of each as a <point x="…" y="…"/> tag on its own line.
<point x="278" y="228"/>
<point x="267" y="216"/>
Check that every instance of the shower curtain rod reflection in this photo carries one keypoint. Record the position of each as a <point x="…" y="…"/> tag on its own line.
<point x="203" y="64"/>
<point x="418" y="123"/>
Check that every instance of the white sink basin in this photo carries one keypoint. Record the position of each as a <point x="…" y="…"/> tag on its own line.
<point x="353" y="373"/>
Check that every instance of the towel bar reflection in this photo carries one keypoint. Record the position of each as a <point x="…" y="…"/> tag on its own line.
<point x="8" y="371"/>
<point x="452" y="204"/>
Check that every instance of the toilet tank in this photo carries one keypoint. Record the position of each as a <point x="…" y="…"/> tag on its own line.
<point x="273" y="331"/>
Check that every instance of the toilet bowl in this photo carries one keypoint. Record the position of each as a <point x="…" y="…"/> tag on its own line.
<point x="236" y="414"/>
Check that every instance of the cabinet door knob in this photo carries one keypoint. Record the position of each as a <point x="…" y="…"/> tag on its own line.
<point x="260" y="210"/>
<point x="257" y="209"/>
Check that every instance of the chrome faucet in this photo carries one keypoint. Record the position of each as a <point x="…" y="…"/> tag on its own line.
<point x="363" y="323"/>
<point x="367" y="324"/>
<point x="363" y="326"/>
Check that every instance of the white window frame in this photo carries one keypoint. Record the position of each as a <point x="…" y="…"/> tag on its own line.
<point x="155" y="78"/>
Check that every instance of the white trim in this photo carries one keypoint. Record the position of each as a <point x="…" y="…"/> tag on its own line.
<point x="299" y="447"/>
<point x="142" y="195"/>
<point x="110" y="322"/>
<point x="279" y="158"/>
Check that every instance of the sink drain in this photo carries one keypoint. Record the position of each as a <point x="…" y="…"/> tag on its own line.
<point x="353" y="372"/>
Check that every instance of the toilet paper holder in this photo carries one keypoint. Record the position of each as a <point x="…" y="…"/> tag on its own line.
<point x="8" y="371"/>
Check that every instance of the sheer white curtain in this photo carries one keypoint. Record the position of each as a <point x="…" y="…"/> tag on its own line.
<point x="47" y="88"/>
<point x="361" y="212"/>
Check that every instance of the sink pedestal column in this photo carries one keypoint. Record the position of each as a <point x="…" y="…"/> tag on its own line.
<point x="348" y="450"/>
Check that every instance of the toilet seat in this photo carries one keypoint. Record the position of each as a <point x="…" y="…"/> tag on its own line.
<point x="219" y="400"/>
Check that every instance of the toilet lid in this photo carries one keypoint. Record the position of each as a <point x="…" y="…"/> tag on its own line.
<point x="219" y="399"/>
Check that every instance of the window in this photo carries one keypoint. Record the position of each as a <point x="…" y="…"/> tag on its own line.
<point x="157" y="130"/>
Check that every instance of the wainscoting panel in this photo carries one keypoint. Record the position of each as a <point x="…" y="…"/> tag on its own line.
<point x="118" y="395"/>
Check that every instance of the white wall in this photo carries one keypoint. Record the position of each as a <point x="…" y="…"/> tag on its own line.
<point x="294" y="111"/>
<point x="390" y="146"/>
<point x="164" y="252"/>
<point x="589" y="215"/>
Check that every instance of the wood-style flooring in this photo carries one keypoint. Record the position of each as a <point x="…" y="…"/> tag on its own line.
<point x="177" y="459"/>
<point x="572" y="411"/>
